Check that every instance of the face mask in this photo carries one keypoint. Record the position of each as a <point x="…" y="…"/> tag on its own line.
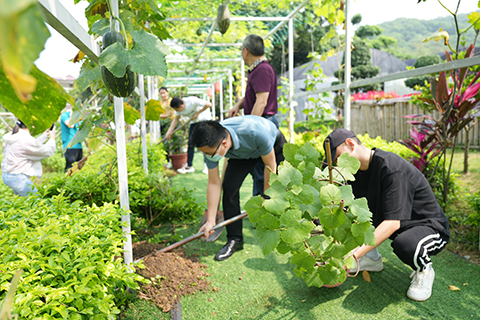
<point x="215" y="158"/>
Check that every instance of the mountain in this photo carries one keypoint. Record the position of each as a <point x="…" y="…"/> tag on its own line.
<point x="411" y="32"/>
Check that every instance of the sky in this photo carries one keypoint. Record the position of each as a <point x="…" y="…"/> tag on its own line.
<point x="54" y="60"/>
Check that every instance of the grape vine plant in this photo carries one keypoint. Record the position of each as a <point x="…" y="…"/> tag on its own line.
<point x="300" y="195"/>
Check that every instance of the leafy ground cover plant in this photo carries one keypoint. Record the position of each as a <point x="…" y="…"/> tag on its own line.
<point x="301" y="193"/>
<point x="152" y="196"/>
<point x="71" y="257"/>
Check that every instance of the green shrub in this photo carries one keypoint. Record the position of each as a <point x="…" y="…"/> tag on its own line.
<point x="55" y="163"/>
<point x="474" y="217"/>
<point x="151" y="196"/>
<point x="70" y="255"/>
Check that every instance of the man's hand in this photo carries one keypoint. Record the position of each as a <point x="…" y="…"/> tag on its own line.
<point x="168" y="136"/>
<point x="233" y="112"/>
<point x="236" y="108"/>
<point x="207" y="228"/>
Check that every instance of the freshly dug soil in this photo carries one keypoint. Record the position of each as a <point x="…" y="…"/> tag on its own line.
<point x="172" y="273"/>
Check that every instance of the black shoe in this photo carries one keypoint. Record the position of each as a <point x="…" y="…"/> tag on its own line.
<point x="229" y="249"/>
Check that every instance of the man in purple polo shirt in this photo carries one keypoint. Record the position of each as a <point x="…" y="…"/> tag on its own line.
<point x="260" y="95"/>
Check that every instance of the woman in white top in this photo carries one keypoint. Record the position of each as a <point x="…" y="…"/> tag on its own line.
<point x="22" y="157"/>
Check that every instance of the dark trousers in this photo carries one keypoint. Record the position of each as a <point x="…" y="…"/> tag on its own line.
<point x="71" y="156"/>
<point x="191" y="147"/>
<point x="237" y="171"/>
<point x="414" y="246"/>
<point x="257" y="171"/>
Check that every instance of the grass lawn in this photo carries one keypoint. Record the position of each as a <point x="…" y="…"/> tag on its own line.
<point x="253" y="286"/>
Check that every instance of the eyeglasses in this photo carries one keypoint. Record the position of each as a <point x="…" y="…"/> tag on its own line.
<point x="215" y="152"/>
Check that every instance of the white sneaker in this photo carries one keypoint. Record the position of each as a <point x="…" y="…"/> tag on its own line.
<point x="421" y="287"/>
<point x="368" y="264"/>
<point x="205" y="169"/>
<point x="186" y="169"/>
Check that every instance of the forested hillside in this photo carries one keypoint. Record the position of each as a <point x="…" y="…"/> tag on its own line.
<point x="411" y="32"/>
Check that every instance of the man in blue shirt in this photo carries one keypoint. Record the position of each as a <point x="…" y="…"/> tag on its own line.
<point x="73" y="153"/>
<point x="245" y="141"/>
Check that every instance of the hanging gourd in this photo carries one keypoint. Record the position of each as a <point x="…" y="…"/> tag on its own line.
<point x="123" y="86"/>
<point x="223" y="18"/>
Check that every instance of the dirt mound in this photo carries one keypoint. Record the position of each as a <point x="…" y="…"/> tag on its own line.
<point x="172" y="275"/>
<point x="142" y="249"/>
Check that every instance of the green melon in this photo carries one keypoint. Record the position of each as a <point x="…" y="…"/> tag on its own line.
<point x="223" y="18"/>
<point x="123" y="86"/>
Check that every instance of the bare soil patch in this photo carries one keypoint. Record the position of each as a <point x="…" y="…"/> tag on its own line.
<point x="172" y="275"/>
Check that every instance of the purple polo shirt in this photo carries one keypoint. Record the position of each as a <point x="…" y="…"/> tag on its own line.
<point x="261" y="79"/>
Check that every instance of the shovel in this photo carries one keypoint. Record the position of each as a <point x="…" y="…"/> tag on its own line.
<point x="219" y="219"/>
<point x="242" y="215"/>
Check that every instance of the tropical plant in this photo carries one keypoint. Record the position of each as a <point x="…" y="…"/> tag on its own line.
<point x="458" y="105"/>
<point x="300" y="194"/>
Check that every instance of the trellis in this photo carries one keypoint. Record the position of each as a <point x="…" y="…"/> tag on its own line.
<point x="62" y="21"/>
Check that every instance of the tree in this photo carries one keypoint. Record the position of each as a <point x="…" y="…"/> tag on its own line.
<point x="368" y="31"/>
<point x="362" y="67"/>
<point x="308" y="30"/>
<point x="422" y="62"/>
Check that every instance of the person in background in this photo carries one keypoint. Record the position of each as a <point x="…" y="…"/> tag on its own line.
<point x="68" y="130"/>
<point x="260" y="95"/>
<point x="168" y="114"/>
<point x="195" y="109"/>
<point x="404" y="209"/>
<point x="244" y="141"/>
<point x="22" y="157"/>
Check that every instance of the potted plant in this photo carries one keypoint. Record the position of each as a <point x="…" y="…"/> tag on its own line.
<point x="313" y="214"/>
<point x="176" y="148"/>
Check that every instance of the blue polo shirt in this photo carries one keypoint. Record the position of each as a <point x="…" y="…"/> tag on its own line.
<point x="68" y="133"/>
<point x="252" y="137"/>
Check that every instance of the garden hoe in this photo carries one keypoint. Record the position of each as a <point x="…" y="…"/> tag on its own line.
<point x="220" y="226"/>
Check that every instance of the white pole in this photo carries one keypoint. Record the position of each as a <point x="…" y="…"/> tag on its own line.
<point x="213" y="100"/>
<point x="221" y="100"/>
<point x="143" y="126"/>
<point x="152" y="123"/>
<point x="348" y="64"/>
<point x="290" y="76"/>
<point x="230" y="87"/>
<point x="155" y="97"/>
<point x="122" y="166"/>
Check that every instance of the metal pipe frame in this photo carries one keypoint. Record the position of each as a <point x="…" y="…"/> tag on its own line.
<point x="456" y="64"/>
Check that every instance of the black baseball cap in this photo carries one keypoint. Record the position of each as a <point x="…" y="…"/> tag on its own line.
<point x="336" y="137"/>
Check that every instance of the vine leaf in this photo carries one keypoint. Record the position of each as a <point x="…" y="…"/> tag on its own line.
<point x="359" y="229"/>
<point x="153" y="110"/>
<point x="298" y="232"/>
<point x="331" y="275"/>
<point x="255" y="209"/>
<point x="147" y="56"/>
<point x="313" y="280"/>
<point x="331" y="219"/>
<point x="290" y="217"/>
<point x="330" y="194"/>
<point x="38" y="113"/>
<point x="277" y="202"/>
<point x="290" y="175"/>
<point x="130" y="114"/>
<point x="303" y="260"/>
<point x="347" y="194"/>
<point x="269" y="239"/>
<point x="269" y="222"/>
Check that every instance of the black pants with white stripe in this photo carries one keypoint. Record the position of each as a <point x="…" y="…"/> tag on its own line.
<point x="414" y="246"/>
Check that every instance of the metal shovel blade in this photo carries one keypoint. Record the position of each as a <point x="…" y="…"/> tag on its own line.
<point x="214" y="236"/>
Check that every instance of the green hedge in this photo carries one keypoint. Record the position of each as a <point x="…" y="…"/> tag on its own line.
<point x="71" y="256"/>
<point x="151" y="196"/>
